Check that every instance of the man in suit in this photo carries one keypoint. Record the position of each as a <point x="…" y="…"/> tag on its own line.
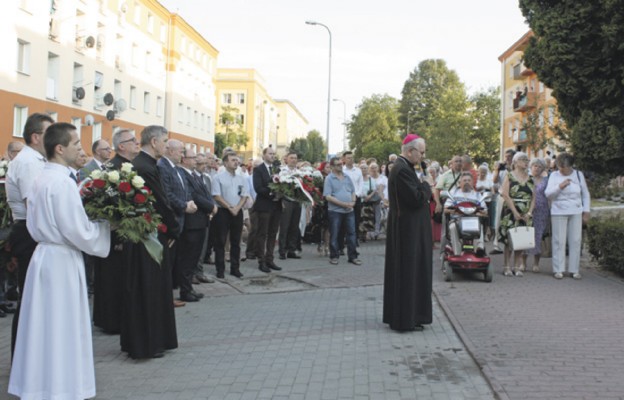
<point x="180" y="200"/>
<point x="289" y="233"/>
<point x="195" y="225"/>
<point x="101" y="151"/>
<point x="268" y="212"/>
<point x="201" y="171"/>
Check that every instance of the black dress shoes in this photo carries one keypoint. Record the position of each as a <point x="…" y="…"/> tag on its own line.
<point x="220" y="275"/>
<point x="237" y="274"/>
<point x="6" y="309"/>
<point x="198" y="295"/>
<point x="282" y="256"/>
<point x="189" y="298"/>
<point x="273" y="266"/>
<point x="293" y="255"/>
<point x="264" y="268"/>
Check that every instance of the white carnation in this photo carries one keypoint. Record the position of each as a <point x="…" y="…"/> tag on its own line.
<point x="96" y="174"/>
<point x="113" y="177"/>
<point x="126" y="167"/>
<point x="138" y="182"/>
<point x="2" y="172"/>
<point x="317" y="174"/>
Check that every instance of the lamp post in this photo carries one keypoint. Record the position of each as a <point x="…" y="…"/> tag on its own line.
<point x="344" y="123"/>
<point x="328" y="80"/>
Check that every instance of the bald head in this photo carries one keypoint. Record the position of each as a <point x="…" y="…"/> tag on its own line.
<point x="174" y="151"/>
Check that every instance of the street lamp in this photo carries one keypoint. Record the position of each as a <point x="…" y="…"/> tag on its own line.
<point x="344" y="123"/>
<point x="328" y="80"/>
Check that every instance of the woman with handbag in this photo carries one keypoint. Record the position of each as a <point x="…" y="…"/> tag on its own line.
<point x="569" y="209"/>
<point x="517" y="192"/>
<point x="541" y="214"/>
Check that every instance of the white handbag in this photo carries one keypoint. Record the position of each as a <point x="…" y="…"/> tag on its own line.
<point x="521" y="238"/>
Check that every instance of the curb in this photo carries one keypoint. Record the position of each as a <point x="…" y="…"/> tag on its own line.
<point x="497" y="388"/>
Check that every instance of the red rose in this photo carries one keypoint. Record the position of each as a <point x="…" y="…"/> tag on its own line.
<point x="99" y="183"/>
<point x="162" y="228"/>
<point x="140" y="198"/>
<point x="148" y="217"/>
<point x="125" y="187"/>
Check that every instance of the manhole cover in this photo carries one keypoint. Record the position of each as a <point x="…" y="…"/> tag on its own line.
<point x="270" y="284"/>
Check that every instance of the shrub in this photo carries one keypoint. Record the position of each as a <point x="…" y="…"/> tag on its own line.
<point x="604" y="245"/>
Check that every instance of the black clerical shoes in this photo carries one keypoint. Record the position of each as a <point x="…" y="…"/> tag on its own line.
<point x="189" y="298"/>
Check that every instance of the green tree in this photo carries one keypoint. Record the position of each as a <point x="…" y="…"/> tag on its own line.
<point x="376" y="121"/>
<point x="299" y="146"/>
<point x="231" y="128"/>
<point x="577" y="51"/>
<point x="219" y="144"/>
<point x="435" y="104"/>
<point x="483" y="139"/>
<point x="316" y="147"/>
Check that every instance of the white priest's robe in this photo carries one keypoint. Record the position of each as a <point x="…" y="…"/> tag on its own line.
<point x="54" y="351"/>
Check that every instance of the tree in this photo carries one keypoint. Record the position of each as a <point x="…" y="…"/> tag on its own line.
<point x="376" y="121"/>
<point x="435" y="104"/>
<point x="219" y="144"/>
<point x="231" y="129"/>
<point x="311" y="148"/>
<point x="577" y="51"/>
<point x="483" y="139"/>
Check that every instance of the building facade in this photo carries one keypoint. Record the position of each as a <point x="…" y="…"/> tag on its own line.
<point x="245" y="108"/>
<point x="528" y="109"/>
<point x="104" y="65"/>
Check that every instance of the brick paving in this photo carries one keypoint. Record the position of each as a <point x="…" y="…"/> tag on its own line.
<point x="536" y="337"/>
<point x="313" y="331"/>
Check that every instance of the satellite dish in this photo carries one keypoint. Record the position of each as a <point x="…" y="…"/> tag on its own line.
<point x="120" y="106"/>
<point x="89" y="120"/>
<point x="108" y="99"/>
<point x="90" y="42"/>
<point x="78" y="94"/>
<point x="110" y="115"/>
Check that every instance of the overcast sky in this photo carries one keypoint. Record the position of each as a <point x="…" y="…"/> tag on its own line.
<point x="376" y="44"/>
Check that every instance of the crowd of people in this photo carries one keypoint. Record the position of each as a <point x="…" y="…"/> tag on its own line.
<point x="210" y="207"/>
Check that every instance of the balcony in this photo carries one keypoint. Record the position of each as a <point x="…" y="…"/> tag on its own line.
<point x="525" y="101"/>
<point x="520" y="72"/>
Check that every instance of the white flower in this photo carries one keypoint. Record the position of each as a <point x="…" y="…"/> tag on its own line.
<point x="138" y="182"/>
<point x="317" y="174"/>
<point x="96" y="174"/>
<point x="4" y="164"/>
<point x="2" y="172"/>
<point x="126" y="167"/>
<point x="113" y="177"/>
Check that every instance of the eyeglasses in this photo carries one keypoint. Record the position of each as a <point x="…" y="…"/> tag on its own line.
<point x="134" y="140"/>
<point x="190" y="158"/>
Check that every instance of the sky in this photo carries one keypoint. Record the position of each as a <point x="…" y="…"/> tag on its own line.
<point x="375" y="46"/>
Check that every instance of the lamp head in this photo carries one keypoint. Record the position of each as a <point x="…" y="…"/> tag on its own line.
<point x="310" y="22"/>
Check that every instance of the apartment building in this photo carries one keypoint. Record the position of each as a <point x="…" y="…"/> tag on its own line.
<point x="104" y="65"/>
<point x="527" y="105"/>
<point x="242" y="93"/>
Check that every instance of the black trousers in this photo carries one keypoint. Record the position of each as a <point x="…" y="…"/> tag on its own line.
<point x="22" y="248"/>
<point x="187" y="257"/>
<point x="268" y="225"/>
<point x="289" y="227"/>
<point x="252" y="236"/>
<point x="357" y="210"/>
<point x="227" y="224"/>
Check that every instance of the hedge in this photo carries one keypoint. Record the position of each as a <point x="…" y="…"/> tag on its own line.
<point x="605" y="242"/>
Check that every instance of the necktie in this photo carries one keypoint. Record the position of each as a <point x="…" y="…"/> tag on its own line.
<point x="73" y="176"/>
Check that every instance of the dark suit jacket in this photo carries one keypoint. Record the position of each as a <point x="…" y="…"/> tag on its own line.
<point x="115" y="162"/>
<point x="265" y="200"/>
<point x="86" y="170"/>
<point x="202" y="198"/>
<point x="177" y="193"/>
<point x="145" y="166"/>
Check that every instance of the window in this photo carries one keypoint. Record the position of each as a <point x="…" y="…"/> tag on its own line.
<point x="541" y="87"/>
<point x="97" y="132"/>
<point x="180" y="112"/>
<point x="117" y="89"/>
<point x="227" y="98"/>
<point x="23" y="56"/>
<point x="53" y="115"/>
<point x="240" y="98"/>
<point x="150" y="23"/>
<point x="188" y="116"/>
<point x="202" y="122"/>
<point x="159" y="106"/>
<point x="133" y="97"/>
<point x="209" y="124"/>
<point x="98" y="82"/>
<point x="53" y="76"/>
<point x="77" y="122"/>
<point x="240" y="119"/>
<point x="20" y="114"/>
<point x="137" y="14"/>
<point x="135" y="55"/>
<point x="195" y="117"/>
<point x="148" y="61"/>
<point x="163" y="33"/>
<point x="146" y="102"/>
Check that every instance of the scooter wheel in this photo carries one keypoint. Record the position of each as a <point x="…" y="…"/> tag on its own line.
<point x="488" y="275"/>
<point x="448" y="272"/>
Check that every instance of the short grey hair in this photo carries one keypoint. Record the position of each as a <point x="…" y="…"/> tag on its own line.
<point x="538" y="161"/>
<point x="152" y="132"/>
<point x="517" y="156"/>
<point x="412" y="144"/>
<point x="117" y="137"/>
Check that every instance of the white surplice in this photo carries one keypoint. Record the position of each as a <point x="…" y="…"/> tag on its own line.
<point x="54" y="352"/>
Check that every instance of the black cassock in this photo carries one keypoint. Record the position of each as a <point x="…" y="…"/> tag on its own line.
<point x="408" y="267"/>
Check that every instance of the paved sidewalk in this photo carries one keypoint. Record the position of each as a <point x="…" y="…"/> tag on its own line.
<point x="315" y="333"/>
<point x="536" y="337"/>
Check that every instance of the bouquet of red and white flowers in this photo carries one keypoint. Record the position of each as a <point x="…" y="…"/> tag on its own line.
<point x="5" y="210"/>
<point x="122" y="198"/>
<point x="303" y="185"/>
